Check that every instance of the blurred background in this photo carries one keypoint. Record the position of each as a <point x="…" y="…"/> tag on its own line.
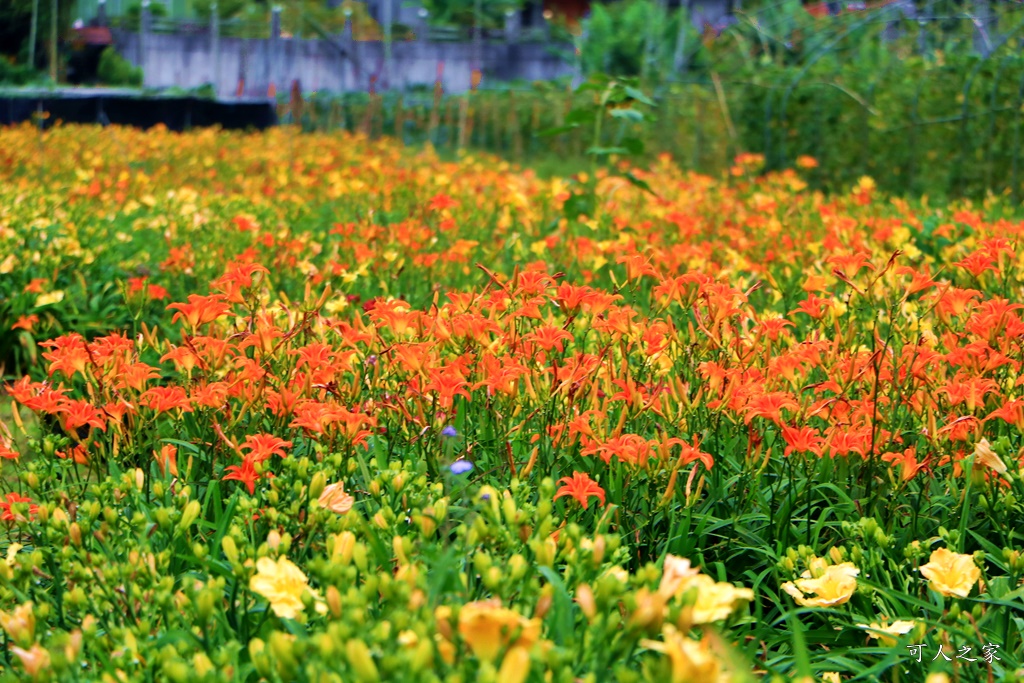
<point x="925" y="96"/>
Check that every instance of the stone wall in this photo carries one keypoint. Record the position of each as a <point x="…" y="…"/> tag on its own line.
<point x="193" y="60"/>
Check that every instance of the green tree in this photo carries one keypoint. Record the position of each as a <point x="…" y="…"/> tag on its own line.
<point x="15" y="23"/>
<point x="463" y="12"/>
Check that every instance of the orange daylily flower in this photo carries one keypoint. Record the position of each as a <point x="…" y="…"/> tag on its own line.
<point x="200" y="310"/>
<point x="581" y="487"/>
<point x="262" y="446"/>
<point x="25" y="322"/>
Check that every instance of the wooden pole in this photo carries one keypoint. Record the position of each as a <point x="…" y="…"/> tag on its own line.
<point x="53" y="41"/>
<point x="387" y="19"/>
<point x="32" y="34"/>
<point x="215" y="47"/>
<point x="478" y="36"/>
<point x="679" y="59"/>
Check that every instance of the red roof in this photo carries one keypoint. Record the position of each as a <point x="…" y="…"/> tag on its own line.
<point x="93" y="35"/>
<point x="820" y="9"/>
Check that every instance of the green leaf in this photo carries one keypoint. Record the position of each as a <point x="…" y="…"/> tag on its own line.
<point x="557" y="130"/>
<point x="634" y="145"/>
<point x="642" y="184"/>
<point x="802" y="659"/>
<point x="579" y="116"/>
<point x="638" y="96"/>
<point x="627" y="114"/>
<point x="605" y="151"/>
<point x="578" y="204"/>
<point x="562" y="609"/>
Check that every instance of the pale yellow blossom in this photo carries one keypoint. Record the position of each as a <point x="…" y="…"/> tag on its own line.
<point x="951" y="574"/>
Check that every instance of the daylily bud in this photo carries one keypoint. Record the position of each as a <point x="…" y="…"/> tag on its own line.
<point x="400" y="555"/>
<point x="205" y="602"/>
<point x="362" y="661"/>
<point x="517" y="566"/>
<point x="544" y="601"/>
<point x="508" y="509"/>
<point x="163" y="518"/>
<point x="426" y="522"/>
<point x="492" y="578"/>
<point x="73" y="646"/>
<point x="177" y="671"/>
<point x="35" y="660"/>
<point x="190" y="514"/>
<point x="316" y="486"/>
<point x="202" y="664"/>
<point x="282" y="647"/>
<point x="359" y="555"/>
<point x="344" y="543"/>
<point x="334" y="601"/>
<point x="75" y="534"/>
<point x="585" y="599"/>
<point x="423" y="657"/>
<point x="544" y="551"/>
<point x="515" y="667"/>
<point x="446" y="650"/>
<point x="325" y="644"/>
<point x="227" y="544"/>
<point x="600" y="545"/>
<point x="443" y="619"/>
<point x="20" y="624"/>
<point x="481" y="561"/>
<point x="440" y="510"/>
<point x="77" y="598"/>
<point x="258" y="655"/>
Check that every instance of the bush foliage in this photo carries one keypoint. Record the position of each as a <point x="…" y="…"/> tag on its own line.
<point x="114" y="69"/>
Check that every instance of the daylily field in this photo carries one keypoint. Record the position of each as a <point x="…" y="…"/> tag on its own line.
<point x="309" y="407"/>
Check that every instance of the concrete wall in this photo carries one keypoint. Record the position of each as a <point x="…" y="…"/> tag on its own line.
<point x="188" y="61"/>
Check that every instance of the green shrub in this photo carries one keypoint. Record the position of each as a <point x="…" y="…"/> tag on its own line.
<point x="618" y="39"/>
<point x="16" y="74"/>
<point x="116" y="70"/>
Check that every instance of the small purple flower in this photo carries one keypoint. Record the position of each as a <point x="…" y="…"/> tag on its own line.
<point x="461" y="467"/>
<point x="450" y="432"/>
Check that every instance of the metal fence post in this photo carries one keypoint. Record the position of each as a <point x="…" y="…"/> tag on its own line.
<point x="680" y="58"/>
<point x="144" y="27"/>
<point x="422" y="24"/>
<point x="32" y="31"/>
<point x="348" y="41"/>
<point x="273" y="49"/>
<point x="478" y="36"/>
<point x="215" y="47"/>
<point x="512" y="26"/>
<point x="386" y="21"/>
<point x="984" y="22"/>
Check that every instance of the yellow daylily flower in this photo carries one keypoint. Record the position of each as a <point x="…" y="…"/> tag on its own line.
<point x="834" y="587"/>
<point x="951" y="574"/>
